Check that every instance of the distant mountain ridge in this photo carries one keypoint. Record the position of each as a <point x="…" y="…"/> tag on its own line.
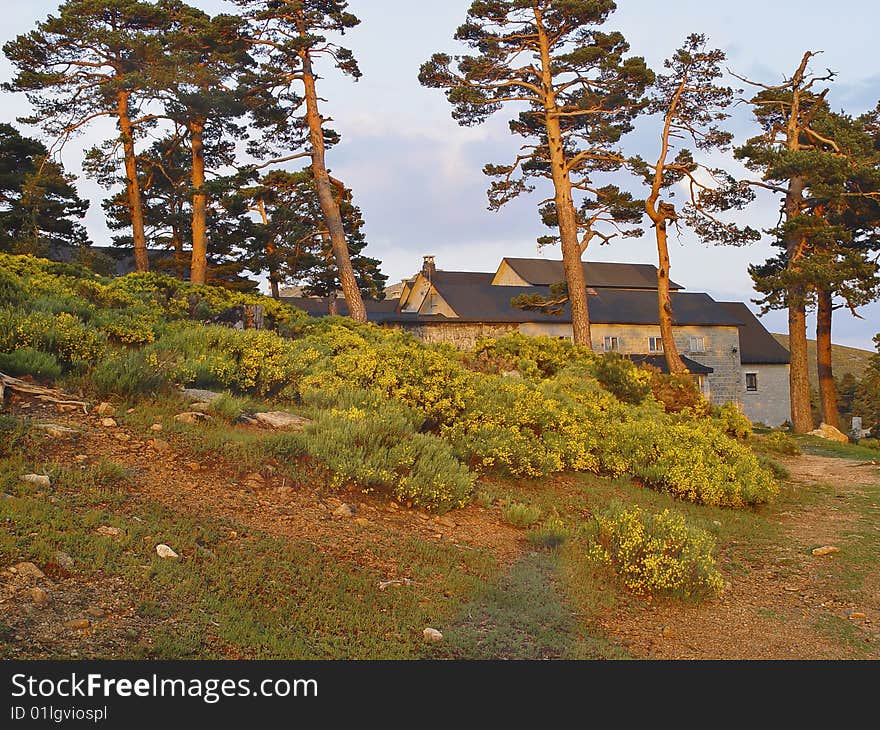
<point x="843" y="359"/>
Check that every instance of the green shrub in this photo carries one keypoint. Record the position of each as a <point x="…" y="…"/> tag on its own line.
<point x="229" y="408"/>
<point x="870" y="443"/>
<point x="28" y="361"/>
<point x="15" y="435"/>
<point x="380" y="451"/>
<point x="519" y="514"/>
<point x="678" y="393"/>
<point x="779" y="472"/>
<point x="74" y="344"/>
<point x="127" y="373"/>
<point x="549" y="535"/>
<point x="781" y="443"/>
<point x="534" y="357"/>
<point x="623" y="378"/>
<point x="730" y="419"/>
<point x="658" y="553"/>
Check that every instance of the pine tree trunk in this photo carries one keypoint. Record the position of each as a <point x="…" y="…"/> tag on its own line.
<point x="329" y="205"/>
<point x="827" y="387"/>
<point x="799" y="380"/>
<point x="670" y="350"/>
<point x="135" y="206"/>
<point x="572" y="263"/>
<point x="199" y="264"/>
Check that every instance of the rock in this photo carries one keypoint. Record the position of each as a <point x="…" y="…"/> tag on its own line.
<point x="163" y="551"/>
<point x="282" y="421"/>
<point x="830" y="433"/>
<point x="447" y="522"/>
<point x="432" y="635"/>
<point x="343" y="510"/>
<point x="108" y="531"/>
<point x="28" y="570"/>
<point x="39" y="480"/>
<point x="156" y="428"/>
<point x="104" y="409"/>
<point x="78" y="623"/>
<point x="122" y="436"/>
<point x="96" y="612"/>
<point x="160" y="445"/>
<point x="193" y="466"/>
<point x="64" y="560"/>
<point x="515" y="374"/>
<point x="55" y="431"/>
<point x="667" y="631"/>
<point x="192" y="417"/>
<point x="202" y="407"/>
<point x="196" y="395"/>
<point x="80" y="458"/>
<point x="857" y="616"/>
<point x="362" y="521"/>
<point x="255" y="477"/>
<point x="108" y="423"/>
<point x="39" y="596"/>
<point x="826" y="550"/>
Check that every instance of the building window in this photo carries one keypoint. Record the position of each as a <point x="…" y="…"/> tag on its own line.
<point x="655" y="344"/>
<point x="612" y="344"/>
<point x="752" y="382"/>
<point x="698" y="344"/>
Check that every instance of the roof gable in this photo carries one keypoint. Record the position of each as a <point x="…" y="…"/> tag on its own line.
<point x="598" y="274"/>
<point x="756" y="345"/>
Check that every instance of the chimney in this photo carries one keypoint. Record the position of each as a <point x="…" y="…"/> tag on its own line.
<point x="429" y="267"/>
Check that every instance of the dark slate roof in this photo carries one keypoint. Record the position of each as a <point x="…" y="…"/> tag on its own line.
<point x="756" y="345"/>
<point x="542" y="272"/>
<point x="607" y="306"/>
<point x="461" y="278"/>
<point x="659" y="362"/>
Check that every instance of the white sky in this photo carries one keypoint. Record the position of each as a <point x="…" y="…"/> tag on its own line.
<point x="417" y="175"/>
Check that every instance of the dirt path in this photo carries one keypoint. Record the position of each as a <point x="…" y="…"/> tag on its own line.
<point x="785" y="607"/>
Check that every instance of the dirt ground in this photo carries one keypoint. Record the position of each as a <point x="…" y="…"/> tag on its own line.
<point x="784" y="607"/>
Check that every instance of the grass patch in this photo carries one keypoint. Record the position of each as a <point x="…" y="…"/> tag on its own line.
<point x="519" y="514"/>
<point x="823" y="447"/>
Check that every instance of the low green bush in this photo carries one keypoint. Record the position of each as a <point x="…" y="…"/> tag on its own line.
<point x="657" y="553"/>
<point x="623" y="378"/>
<point x="28" y="361"/>
<point x="380" y="452"/>
<point x="519" y="514"/>
<point x="730" y="419"/>
<point x="781" y="443"/>
<point x="550" y="534"/>
<point x="127" y="373"/>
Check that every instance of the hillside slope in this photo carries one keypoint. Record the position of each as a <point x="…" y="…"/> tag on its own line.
<point x="844" y="359"/>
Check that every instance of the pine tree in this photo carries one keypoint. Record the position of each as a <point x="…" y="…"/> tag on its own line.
<point x="86" y="63"/>
<point x="581" y="95"/>
<point x="291" y="38"/>
<point x="39" y="207"/>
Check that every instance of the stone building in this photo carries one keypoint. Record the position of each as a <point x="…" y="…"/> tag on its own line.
<point x="727" y="350"/>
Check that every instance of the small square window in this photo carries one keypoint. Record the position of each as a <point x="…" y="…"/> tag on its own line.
<point x="752" y="382"/>
<point x="612" y="344"/>
<point x="698" y="344"/>
<point x="655" y="344"/>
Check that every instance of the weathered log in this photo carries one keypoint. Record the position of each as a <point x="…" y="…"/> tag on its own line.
<point x="48" y="395"/>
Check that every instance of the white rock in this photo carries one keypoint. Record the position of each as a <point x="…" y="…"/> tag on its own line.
<point x="156" y="428"/>
<point x="104" y="408"/>
<point x="108" y="423"/>
<point x="64" y="560"/>
<point x="56" y="431"/>
<point x="826" y="550"/>
<point x="163" y="551"/>
<point x="108" y="531"/>
<point x="196" y="395"/>
<point x="192" y="417"/>
<point x="282" y="420"/>
<point x="830" y="433"/>
<point x="432" y="635"/>
<point x="343" y="510"/>
<point x="38" y="480"/>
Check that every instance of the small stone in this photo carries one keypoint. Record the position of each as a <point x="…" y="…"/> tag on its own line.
<point x="122" y="436"/>
<point x="64" y="560"/>
<point x="192" y="417"/>
<point x="196" y="395"/>
<point x="393" y="506"/>
<point x="200" y="407"/>
<point x="130" y="411"/>
<point x="281" y="420"/>
<point x="29" y="570"/>
<point x="78" y="623"/>
<point x="39" y="480"/>
<point x="447" y="522"/>
<point x="343" y="510"/>
<point x="108" y="423"/>
<point x="160" y="445"/>
<point x="104" y="409"/>
<point x="193" y="466"/>
<point x="80" y="458"/>
<point x="362" y="521"/>
<point x="857" y="616"/>
<point x="432" y="635"/>
<point x="156" y="428"/>
<point x="163" y="551"/>
<point x="826" y="550"/>
<point x="108" y="531"/>
<point x="39" y="596"/>
<point x="55" y="431"/>
<point x="255" y="477"/>
<point x="96" y="612"/>
<point x="667" y="631"/>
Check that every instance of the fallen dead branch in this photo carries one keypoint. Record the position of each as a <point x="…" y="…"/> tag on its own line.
<point x="48" y="395"/>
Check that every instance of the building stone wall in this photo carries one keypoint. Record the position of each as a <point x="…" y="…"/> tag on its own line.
<point x="771" y="404"/>
<point x="463" y="335"/>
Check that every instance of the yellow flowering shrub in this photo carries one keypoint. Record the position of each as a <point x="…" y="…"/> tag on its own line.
<point x="657" y="553"/>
